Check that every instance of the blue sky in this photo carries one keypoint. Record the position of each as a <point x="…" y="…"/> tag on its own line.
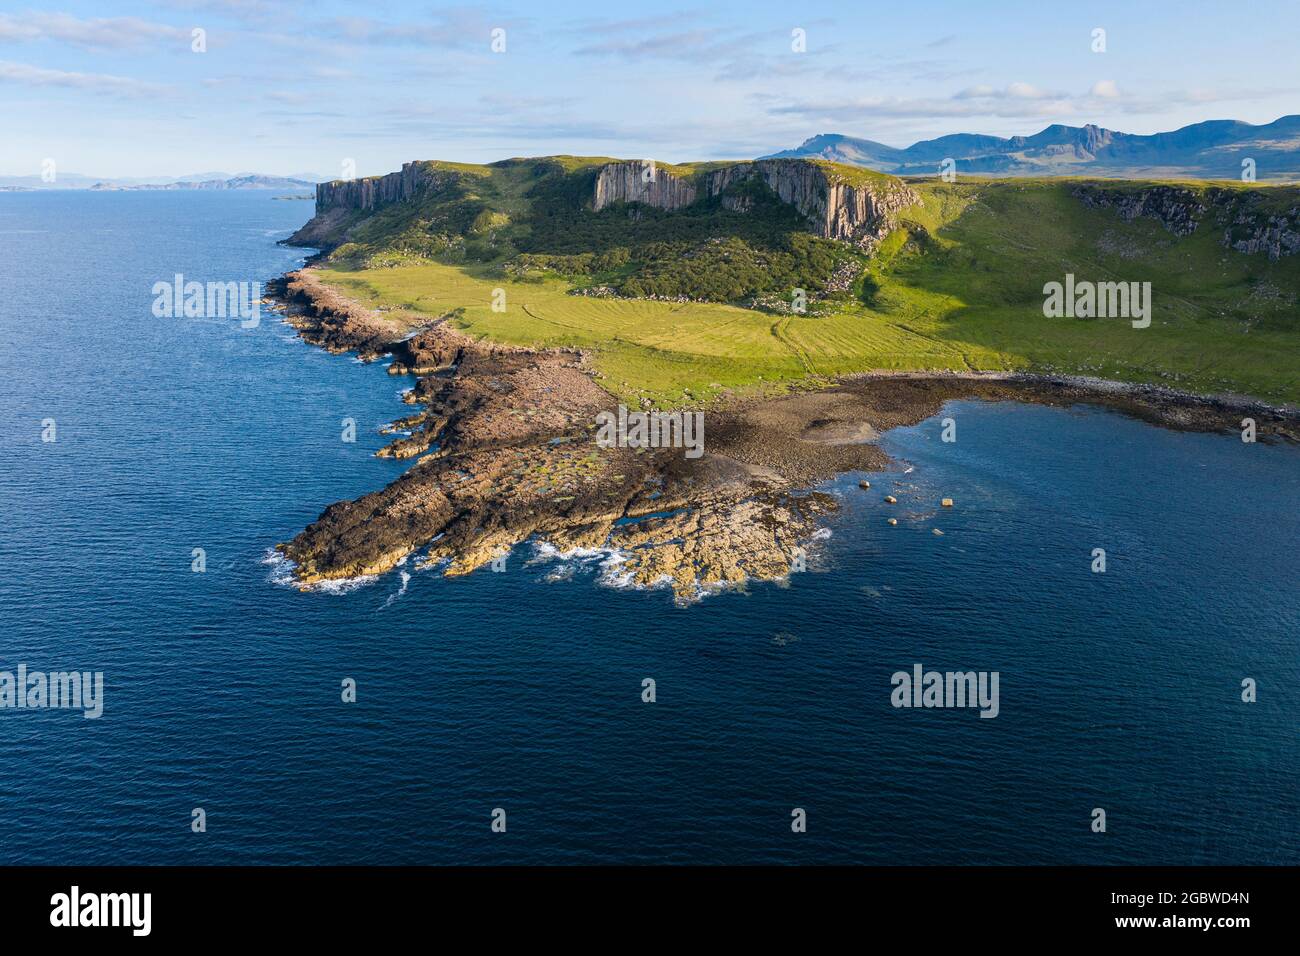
<point x="113" y="88"/>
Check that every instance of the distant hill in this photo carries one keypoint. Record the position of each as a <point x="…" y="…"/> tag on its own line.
<point x="1211" y="150"/>
<point x="213" y="180"/>
<point x="235" y="182"/>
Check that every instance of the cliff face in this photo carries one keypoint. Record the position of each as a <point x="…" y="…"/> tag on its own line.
<point x="836" y="210"/>
<point x="1247" y="227"/>
<point x="644" y="183"/>
<point x="373" y="191"/>
<point x="337" y="201"/>
<point x="862" y="213"/>
<point x="1179" y="210"/>
<point x="1275" y="236"/>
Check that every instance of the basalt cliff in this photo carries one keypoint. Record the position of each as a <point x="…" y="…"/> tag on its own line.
<point x="862" y="213"/>
<point x="836" y="203"/>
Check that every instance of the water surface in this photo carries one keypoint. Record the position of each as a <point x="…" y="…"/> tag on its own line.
<point x="522" y="689"/>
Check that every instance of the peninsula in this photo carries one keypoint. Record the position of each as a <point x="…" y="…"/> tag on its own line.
<point x="801" y="305"/>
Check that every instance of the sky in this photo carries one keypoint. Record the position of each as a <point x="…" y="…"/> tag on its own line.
<point x="117" y="88"/>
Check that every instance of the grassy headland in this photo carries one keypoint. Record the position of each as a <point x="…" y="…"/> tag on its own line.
<point x="955" y="284"/>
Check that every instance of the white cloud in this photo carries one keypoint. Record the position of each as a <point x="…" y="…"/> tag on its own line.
<point x="113" y="33"/>
<point x="1105" y="89"/>
<point x="1026" y="91"/>
<point x="28" y="75"/>
<point x="1013" y="91"/>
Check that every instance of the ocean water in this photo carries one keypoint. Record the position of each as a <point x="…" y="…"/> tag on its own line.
<point x="521" y="690"/>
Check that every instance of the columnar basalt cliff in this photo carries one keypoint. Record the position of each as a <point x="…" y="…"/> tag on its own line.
<point x="642" y="182"/>
<point x="862" y="213"/>
<point x="343" y="200"/>
<point x="375" y="191"/>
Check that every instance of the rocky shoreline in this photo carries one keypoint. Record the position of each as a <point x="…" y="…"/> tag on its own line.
<point x="505" y="451"/>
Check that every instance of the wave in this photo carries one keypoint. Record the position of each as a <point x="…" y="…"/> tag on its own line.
<point x="608" y="568"/>
<point x="406" y="579"/>
<point x="282" y="574"/>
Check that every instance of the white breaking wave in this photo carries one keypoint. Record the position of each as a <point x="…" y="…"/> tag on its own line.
<point x="609" y="569"/>
<point x="282" y="574"/>
<point x="406" y="579"/>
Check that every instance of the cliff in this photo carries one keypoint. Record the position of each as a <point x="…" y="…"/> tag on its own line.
<point x="1249" y="224"/>
<point x="375" y="191"/>
<point x="644" y="183"/>
<point x="340" y="201"/>
<point x="862" y="212"/>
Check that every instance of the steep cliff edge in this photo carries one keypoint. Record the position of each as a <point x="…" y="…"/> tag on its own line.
<point x="375" y="191"/>
<point x="839" y="203"/>
<point x="1252" y="221"/>
<point x="861" y="212"/>
<point x="342" y="202"/>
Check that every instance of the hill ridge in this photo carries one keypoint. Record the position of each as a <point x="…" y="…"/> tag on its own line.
<point x="1212" y="149"/>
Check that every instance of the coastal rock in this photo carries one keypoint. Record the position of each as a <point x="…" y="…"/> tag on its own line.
<point x="324" y="318"/>
<point x="505" y="451"/>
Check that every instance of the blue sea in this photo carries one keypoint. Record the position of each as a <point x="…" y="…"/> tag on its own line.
<point x="522" y="690"/>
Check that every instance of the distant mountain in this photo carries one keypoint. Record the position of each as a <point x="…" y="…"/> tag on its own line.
<point x="1209" y="150"/>
<point x="214" y="180"/>
<point x="234" y="182"/>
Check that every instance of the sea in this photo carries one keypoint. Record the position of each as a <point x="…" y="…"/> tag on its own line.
<point x="149" y="465"/>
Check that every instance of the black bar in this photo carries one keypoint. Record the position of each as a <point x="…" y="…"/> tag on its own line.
<point x="338" y="904"/>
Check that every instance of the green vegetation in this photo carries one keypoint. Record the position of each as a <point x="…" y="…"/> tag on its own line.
<point x="957" y="286"/>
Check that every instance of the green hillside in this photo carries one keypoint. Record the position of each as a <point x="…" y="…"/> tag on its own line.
<point x="957" y="285"/>
<point x="531" y="218"/>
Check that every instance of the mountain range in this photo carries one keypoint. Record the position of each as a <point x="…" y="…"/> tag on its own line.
<point x="1214" y="149"/>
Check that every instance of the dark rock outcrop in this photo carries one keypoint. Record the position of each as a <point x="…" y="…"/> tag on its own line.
<point x="1275" y="236"/>
<point x="1248" y="226"/>
<point x="1176" y="208"/>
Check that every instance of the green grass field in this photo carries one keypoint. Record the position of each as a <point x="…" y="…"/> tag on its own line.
<point x="957" y="287"/>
